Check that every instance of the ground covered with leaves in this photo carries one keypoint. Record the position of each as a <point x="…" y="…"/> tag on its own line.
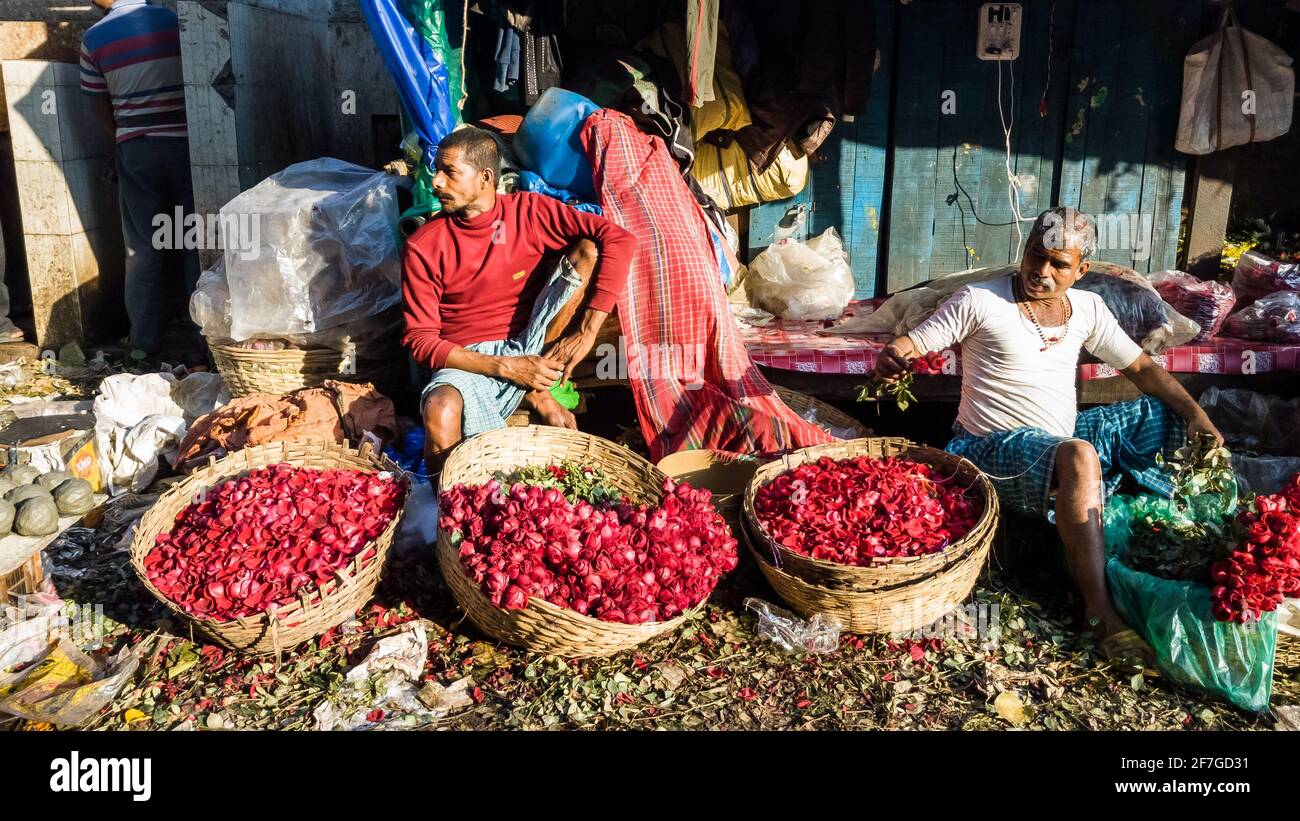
<point x="1034" y="670"/>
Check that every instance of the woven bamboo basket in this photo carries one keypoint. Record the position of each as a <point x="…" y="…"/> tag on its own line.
<point x="318" y="608"/>
<point x="279" y="372"/>
<point x="824" y="415"/>
<point x="897" y="594"/>
<point x="1287" y="658"/>
<point x="543" y="627"/>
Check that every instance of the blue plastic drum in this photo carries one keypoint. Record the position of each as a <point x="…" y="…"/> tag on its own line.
<point x="548" y="143"/>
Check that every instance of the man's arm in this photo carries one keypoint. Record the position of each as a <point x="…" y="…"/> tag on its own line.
<point x="952" y="322"/>
<point x="103" y="111"/>
<point x="94" y="86"/>
<point x="1154" y="380"/>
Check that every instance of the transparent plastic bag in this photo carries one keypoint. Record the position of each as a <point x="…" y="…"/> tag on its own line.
<point x="1254" y="421"/>
<point x="1257" y="275"/>
<point x="1272" y="318"/>
<point x="802" y="280"/>
<point x="819" y="634"/>
<point x="317" y="248"/>
<point x="1205" y="302"/>
<point x="1234" y="661"/>
<point x="65" y="686"/>
<point x="1145" y="317"/>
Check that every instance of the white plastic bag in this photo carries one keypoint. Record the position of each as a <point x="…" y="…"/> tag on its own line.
<point x="1237" y="88"/>
<point x="802" y="280"/>
<point x="318" y="249"/>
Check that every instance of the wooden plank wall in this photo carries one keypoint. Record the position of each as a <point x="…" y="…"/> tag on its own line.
<point x="917" y="193"/>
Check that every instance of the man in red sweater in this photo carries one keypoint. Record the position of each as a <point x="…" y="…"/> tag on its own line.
<point x="483" y="298"/>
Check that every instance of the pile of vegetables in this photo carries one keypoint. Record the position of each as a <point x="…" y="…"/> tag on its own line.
<point x="1264" y="567"/>
<point x="34" y="501"/>
<point x="852" y="511"/>
<point x="254" y="542"/>
<point x="564" y="534"/>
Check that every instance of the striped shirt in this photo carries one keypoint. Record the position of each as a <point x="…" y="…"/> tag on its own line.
<point x="133" y="56"/>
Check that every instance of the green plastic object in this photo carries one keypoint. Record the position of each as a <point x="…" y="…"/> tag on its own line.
<point x="430" y="20"/>
<point x="566" y="394"/>
<point x="1234" y="661"/>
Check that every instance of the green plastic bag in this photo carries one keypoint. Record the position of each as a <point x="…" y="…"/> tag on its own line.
<point x="431" y="21"/>
<point x="1231" y="660"/>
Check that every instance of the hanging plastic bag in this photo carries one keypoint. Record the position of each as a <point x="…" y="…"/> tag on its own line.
<point x="1145" y="317"/>
<point x="1192" y="648"/>
<point x="1257" y="275"/>
<point x="319" y="250"/>
<point x="1237" y="88"/>
<point x="1273" y="318"/>
<point x="1205" y="302"/>
<point x="802" y="280"/>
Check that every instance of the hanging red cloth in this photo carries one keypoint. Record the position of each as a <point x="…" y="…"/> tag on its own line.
<point x="694" y="384"/>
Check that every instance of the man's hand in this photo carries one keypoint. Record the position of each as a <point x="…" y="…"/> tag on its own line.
<point x="895" y="359"/>
<point x="538" y="373"/>
<point x="1202" y="424"/>
<point x="570" y="350"/>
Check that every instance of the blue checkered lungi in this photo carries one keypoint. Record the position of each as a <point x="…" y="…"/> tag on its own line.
<point x="1127" y="436"/>
<point x="488" y="401"/>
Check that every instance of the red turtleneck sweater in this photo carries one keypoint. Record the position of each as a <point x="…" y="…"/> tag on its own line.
<point x="475" y="280"/>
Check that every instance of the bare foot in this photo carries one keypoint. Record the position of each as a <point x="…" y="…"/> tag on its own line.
<point x="551" y="411"/>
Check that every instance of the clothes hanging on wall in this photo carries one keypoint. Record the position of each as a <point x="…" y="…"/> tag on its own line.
<point x="701" y="48"/>
<point x="528" y="50"/>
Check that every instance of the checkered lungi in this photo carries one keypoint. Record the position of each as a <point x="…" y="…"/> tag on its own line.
<point x="488" y="401"/>
<point x="1127" y="436"/>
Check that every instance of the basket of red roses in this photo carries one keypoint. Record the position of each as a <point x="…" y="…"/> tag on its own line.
<point x="885" y="534"/>
<point x="567" y="544"/>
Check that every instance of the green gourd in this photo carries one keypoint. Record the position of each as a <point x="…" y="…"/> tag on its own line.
<point x="23" y="492"/>
<point x="22" y="474"/>
<point x="74" y="497"/>
<point x="36" y="516"/>
<point x="6" y="517"/>
<point x="53" y="479"/>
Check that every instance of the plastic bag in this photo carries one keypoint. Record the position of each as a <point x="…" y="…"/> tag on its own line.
<point x="1254" y="421"/>
<point x="1272" y="318"/>
<point x="1205" y="302"/>
<point x="802" y="280"/>
<point x="1145" y="317"/>
<point x="1257" y="275"/>
<point x="1216" y="73"/>
<point x="65" y="687"/>
<point x="1263" y="475"/>
<point x="210" y="304"/>
<point x="319" y="250"/>
<point x="1231" y="660"/>
<point x="819" y="634"/>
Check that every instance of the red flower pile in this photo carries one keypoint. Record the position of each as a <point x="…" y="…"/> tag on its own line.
<point x="1265" y="566"/>
<point x="930" y="363"/>
<point x="620" y="563"/>
<point x="855" y="510"/>
<point x="253" y="542"/>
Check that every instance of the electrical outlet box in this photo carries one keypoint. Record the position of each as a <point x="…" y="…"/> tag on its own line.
<point x="999" y="32"/>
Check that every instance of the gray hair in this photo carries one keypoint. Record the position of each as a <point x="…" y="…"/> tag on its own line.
<point x="1062" y="227"/>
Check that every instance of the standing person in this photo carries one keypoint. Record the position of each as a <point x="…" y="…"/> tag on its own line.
<point x="131" y="68"/>
<point x="484" y="293"/>
<point x="9" y="332"/>
<point x="1018" y="419"/>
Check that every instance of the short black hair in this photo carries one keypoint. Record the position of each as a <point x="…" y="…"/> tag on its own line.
<point x="479" y="147"/>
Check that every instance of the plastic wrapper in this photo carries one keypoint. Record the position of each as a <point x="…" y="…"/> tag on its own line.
<point x="1264" y="475"/>
<point x="1257" y="275"/>
<point x="819" y="634"/>
<point x="1272" y="318"/>
<point x="1233" y="661"/>
<point x="1145" y="317"/>
<point x="65" y="686"/>
<point x="802" y="280"/>
<point x="1205" y="302"/>
<point x="317" y="249"/>
<point x="1254" y="421"/>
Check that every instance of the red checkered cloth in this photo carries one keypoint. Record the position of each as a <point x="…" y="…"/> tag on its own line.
<point x="693" y="384"/>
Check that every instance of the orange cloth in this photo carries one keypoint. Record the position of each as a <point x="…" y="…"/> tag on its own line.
<point x="336" y="411"/>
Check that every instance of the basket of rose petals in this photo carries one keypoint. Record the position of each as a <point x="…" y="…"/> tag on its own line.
<point x="274" y="544"/>
<point x="884" y="533"/>
<point x="567" y="544"/>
